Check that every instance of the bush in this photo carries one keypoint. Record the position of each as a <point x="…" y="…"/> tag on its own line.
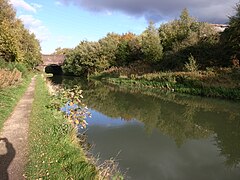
<point x="22" y="68"/>
<point x="191" y="66"/>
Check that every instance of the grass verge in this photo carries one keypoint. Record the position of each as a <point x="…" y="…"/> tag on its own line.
<point x="216" y="92"/>
<point x="9" y="97"/>
<point x="54" y="152"/>
<point x="222" y="84"/>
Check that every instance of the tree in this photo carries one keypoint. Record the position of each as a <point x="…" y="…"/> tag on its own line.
<point x="151" y="44"/>
<point x="30" y="47"/>
<point x="9" y="39"/>
<point x="185" y="36"/>
<point x="9" y="43"/>
<point x="61" y="51"/>
<point x="178" y="30"/>
<point x="6" y="11"/>
<point x="109" y="45"/>
<point x="231" y="35"/>
<point x="17" y="44"/>
<point x="85" y="59"/>
<point x="125" y="51"/>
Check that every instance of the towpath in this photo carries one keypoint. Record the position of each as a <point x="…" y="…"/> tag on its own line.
<point x="14" y="138"/>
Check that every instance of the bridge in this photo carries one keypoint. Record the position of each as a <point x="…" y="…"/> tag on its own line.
<point x="51" y="63"/>
<point x="52" y="59"/>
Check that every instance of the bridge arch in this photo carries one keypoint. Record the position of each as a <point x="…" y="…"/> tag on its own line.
<point x="52" y="64"/>
<point x="53" y="69"/>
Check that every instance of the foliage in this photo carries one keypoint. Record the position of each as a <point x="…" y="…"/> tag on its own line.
<point x="123" y="53"/>
<point x="231" y="35"/>
<point x="31" y="48"/>
<point x="109" y="45"/>
<point x="191" y="66"/>
<point x="128" y="50"/>
<point x="186" y="36"/>
<point x="176" y="31"/>
<point x="151" y="45"/>
<point x="85" y="59"/>
<point x="9" y="44"/>
<point x="75" y="111"/>
<point x="17" y="44"/>
<point x="61" y="51"/>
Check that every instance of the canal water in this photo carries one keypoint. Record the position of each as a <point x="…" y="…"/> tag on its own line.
<point x="162" y="136"/>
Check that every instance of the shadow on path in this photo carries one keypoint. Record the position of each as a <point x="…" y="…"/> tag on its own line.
<point x="6" y="159"/>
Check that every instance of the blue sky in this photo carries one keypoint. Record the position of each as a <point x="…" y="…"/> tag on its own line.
<point x="64" y="23"/>
<point x="59" y="25"/>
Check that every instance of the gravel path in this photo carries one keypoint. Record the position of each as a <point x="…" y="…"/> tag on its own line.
<point x="14" y="138"/>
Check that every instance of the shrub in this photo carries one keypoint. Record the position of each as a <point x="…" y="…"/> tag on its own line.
<point x="191" y="66"/>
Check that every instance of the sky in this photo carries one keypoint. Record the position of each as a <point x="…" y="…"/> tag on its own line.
<point x="64" y="23"/>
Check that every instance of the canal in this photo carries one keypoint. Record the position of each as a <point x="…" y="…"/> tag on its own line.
<point x="162" y="135"/>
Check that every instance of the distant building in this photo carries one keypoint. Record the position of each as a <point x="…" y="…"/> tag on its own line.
<point x="220" y="27"/>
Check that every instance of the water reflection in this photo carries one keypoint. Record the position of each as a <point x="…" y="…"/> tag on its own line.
<point x="187" y="137"/>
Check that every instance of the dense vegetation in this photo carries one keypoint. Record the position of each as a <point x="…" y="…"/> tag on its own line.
<point x="231" y="37"/>
<point x="183" y="44"/>
<point x="17" y="44"/>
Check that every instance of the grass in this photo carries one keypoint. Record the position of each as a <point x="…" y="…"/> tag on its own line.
<point x="220" y="83"/>
<point x="9" y="97"/>
<point x="54" y="150"/>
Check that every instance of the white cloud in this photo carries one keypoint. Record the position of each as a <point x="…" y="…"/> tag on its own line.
<point x="23" y="4"/>
<point x="58" y="3"/>
<point x="35" y="26"/>
<point x="30" y="21"/>
<point x="36" y="6"/>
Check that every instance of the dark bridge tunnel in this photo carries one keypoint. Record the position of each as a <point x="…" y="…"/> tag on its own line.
<point x="54" y="69"/>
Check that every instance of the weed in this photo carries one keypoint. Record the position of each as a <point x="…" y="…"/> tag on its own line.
<point x="191" y="66"/>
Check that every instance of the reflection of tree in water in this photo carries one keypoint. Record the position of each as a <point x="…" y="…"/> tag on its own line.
<point x="227" y="132"/>
<point x="229" y="148"/>
<point x="180" y="117"/>
<point x="154" y="113"/>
